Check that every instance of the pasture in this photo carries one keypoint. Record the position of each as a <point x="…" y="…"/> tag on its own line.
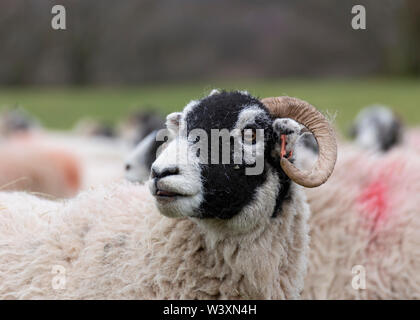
<point x="61" y="107"/>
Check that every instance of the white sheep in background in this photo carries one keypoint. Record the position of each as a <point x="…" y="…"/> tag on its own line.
<point x="139" y="160"/>
<point x="50" y="172"/>
<point x="377" y="129"/>
<point x="89" y="127"/>
<point x="366" y="216"/>
<point x="139" y="124"/>
<point x="235" y="236"/>
<point x="99" y="161"/>
<point x="16" y="120"/>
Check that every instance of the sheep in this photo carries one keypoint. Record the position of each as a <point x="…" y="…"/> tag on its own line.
<point x="94" y="128"/>
<point x="16" y="120"/>
<point x="101" y="159"/>
<point x="139" y="161"/>
<point x="365" y="223"/>
<point x="50" y="172"/>
<point x="59" y="164"/>
<point x="138" y="125"/>
<point x="195" y="231"/>
<point x="350" y="201"/>
<point x="377" y="129"/>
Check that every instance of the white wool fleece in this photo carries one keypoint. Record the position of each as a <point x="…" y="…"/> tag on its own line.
<point x="112" y="243"/>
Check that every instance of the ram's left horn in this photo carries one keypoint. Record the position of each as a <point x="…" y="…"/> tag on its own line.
<point x="311" y="118"/>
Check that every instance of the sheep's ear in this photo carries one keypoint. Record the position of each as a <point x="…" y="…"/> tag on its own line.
<point x="172" y="122"/>
<point x="214" y="91"/>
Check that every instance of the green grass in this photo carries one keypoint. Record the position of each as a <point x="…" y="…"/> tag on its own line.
<point x="62" y="107"/>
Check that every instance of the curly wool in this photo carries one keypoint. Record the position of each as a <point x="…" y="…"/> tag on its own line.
<point x="366" y="215"/>
<point x="114" y="244"/>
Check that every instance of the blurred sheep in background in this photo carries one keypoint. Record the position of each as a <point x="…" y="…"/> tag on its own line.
<point x="139" y="124"/>
<point x="32" y="167"/>
<point x="377" y="129"/>
<point x="93" y="128"/>
<point x="16" y="120"/>
<point x="98" y="152"/>
<point x="366" y="215"/>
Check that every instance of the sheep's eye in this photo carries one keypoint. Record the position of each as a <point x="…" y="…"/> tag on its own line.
<point x="250" y="137"/>
<point x="197" y="138"/>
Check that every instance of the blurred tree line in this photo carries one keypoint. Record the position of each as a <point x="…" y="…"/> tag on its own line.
<point x="149" y="41"/>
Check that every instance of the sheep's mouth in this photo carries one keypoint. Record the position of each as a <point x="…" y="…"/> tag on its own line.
<point x="167" y="194"/>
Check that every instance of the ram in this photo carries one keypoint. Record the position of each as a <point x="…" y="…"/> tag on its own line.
<point x="220" y="233"/>
<point x="362" y="219"/>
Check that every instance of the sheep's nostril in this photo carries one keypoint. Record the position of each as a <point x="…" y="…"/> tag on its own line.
<point x="127" y="167"/>
<point x="173" y="170"/>
<point x="153" y="173"/>
<point x="164" y="173"/>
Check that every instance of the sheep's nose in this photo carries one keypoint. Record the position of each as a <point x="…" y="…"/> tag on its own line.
<point x="127" y="167"/>
<point x="159" y="174"/>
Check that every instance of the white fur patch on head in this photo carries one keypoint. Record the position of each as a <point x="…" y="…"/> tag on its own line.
<point x="186" y="183"/>
<point x="367" y="138"/>
<point x="246" y="118"/>
<point x="214" y="91"/>
<point x="189" y="107"/>
<point x="173" y="121"/>
<point x="292" y="130"/>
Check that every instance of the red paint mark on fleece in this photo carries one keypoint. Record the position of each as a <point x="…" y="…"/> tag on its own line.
<point x="375" y="199"/>
<point x="69" y="166"/>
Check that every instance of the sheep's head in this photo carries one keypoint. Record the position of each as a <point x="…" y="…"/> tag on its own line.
<point x="223" y="157"/>
<point x="377" y="128"/>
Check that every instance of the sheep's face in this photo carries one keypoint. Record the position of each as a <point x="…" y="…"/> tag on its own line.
<point x="201" y="175"/>
<point x="377" y="129"/>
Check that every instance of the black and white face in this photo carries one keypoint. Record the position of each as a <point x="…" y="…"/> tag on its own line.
<point x="377" y="129"/>
<point x="185" y="180"/>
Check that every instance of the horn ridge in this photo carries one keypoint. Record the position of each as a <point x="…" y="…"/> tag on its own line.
<point x="307" y="115"/>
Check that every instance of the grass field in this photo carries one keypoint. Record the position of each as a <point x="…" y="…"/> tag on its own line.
<point x="61" y="107"/>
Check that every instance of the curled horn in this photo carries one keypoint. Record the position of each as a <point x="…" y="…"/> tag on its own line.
<point x="311" y="118"/>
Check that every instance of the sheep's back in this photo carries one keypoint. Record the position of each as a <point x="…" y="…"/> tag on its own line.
<point x="366" y="215"/>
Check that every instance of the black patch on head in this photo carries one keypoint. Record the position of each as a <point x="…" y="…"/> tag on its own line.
<point x="227" y="189"/>
<point x="284" y="185"/>
<point x="389" y="135"/>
